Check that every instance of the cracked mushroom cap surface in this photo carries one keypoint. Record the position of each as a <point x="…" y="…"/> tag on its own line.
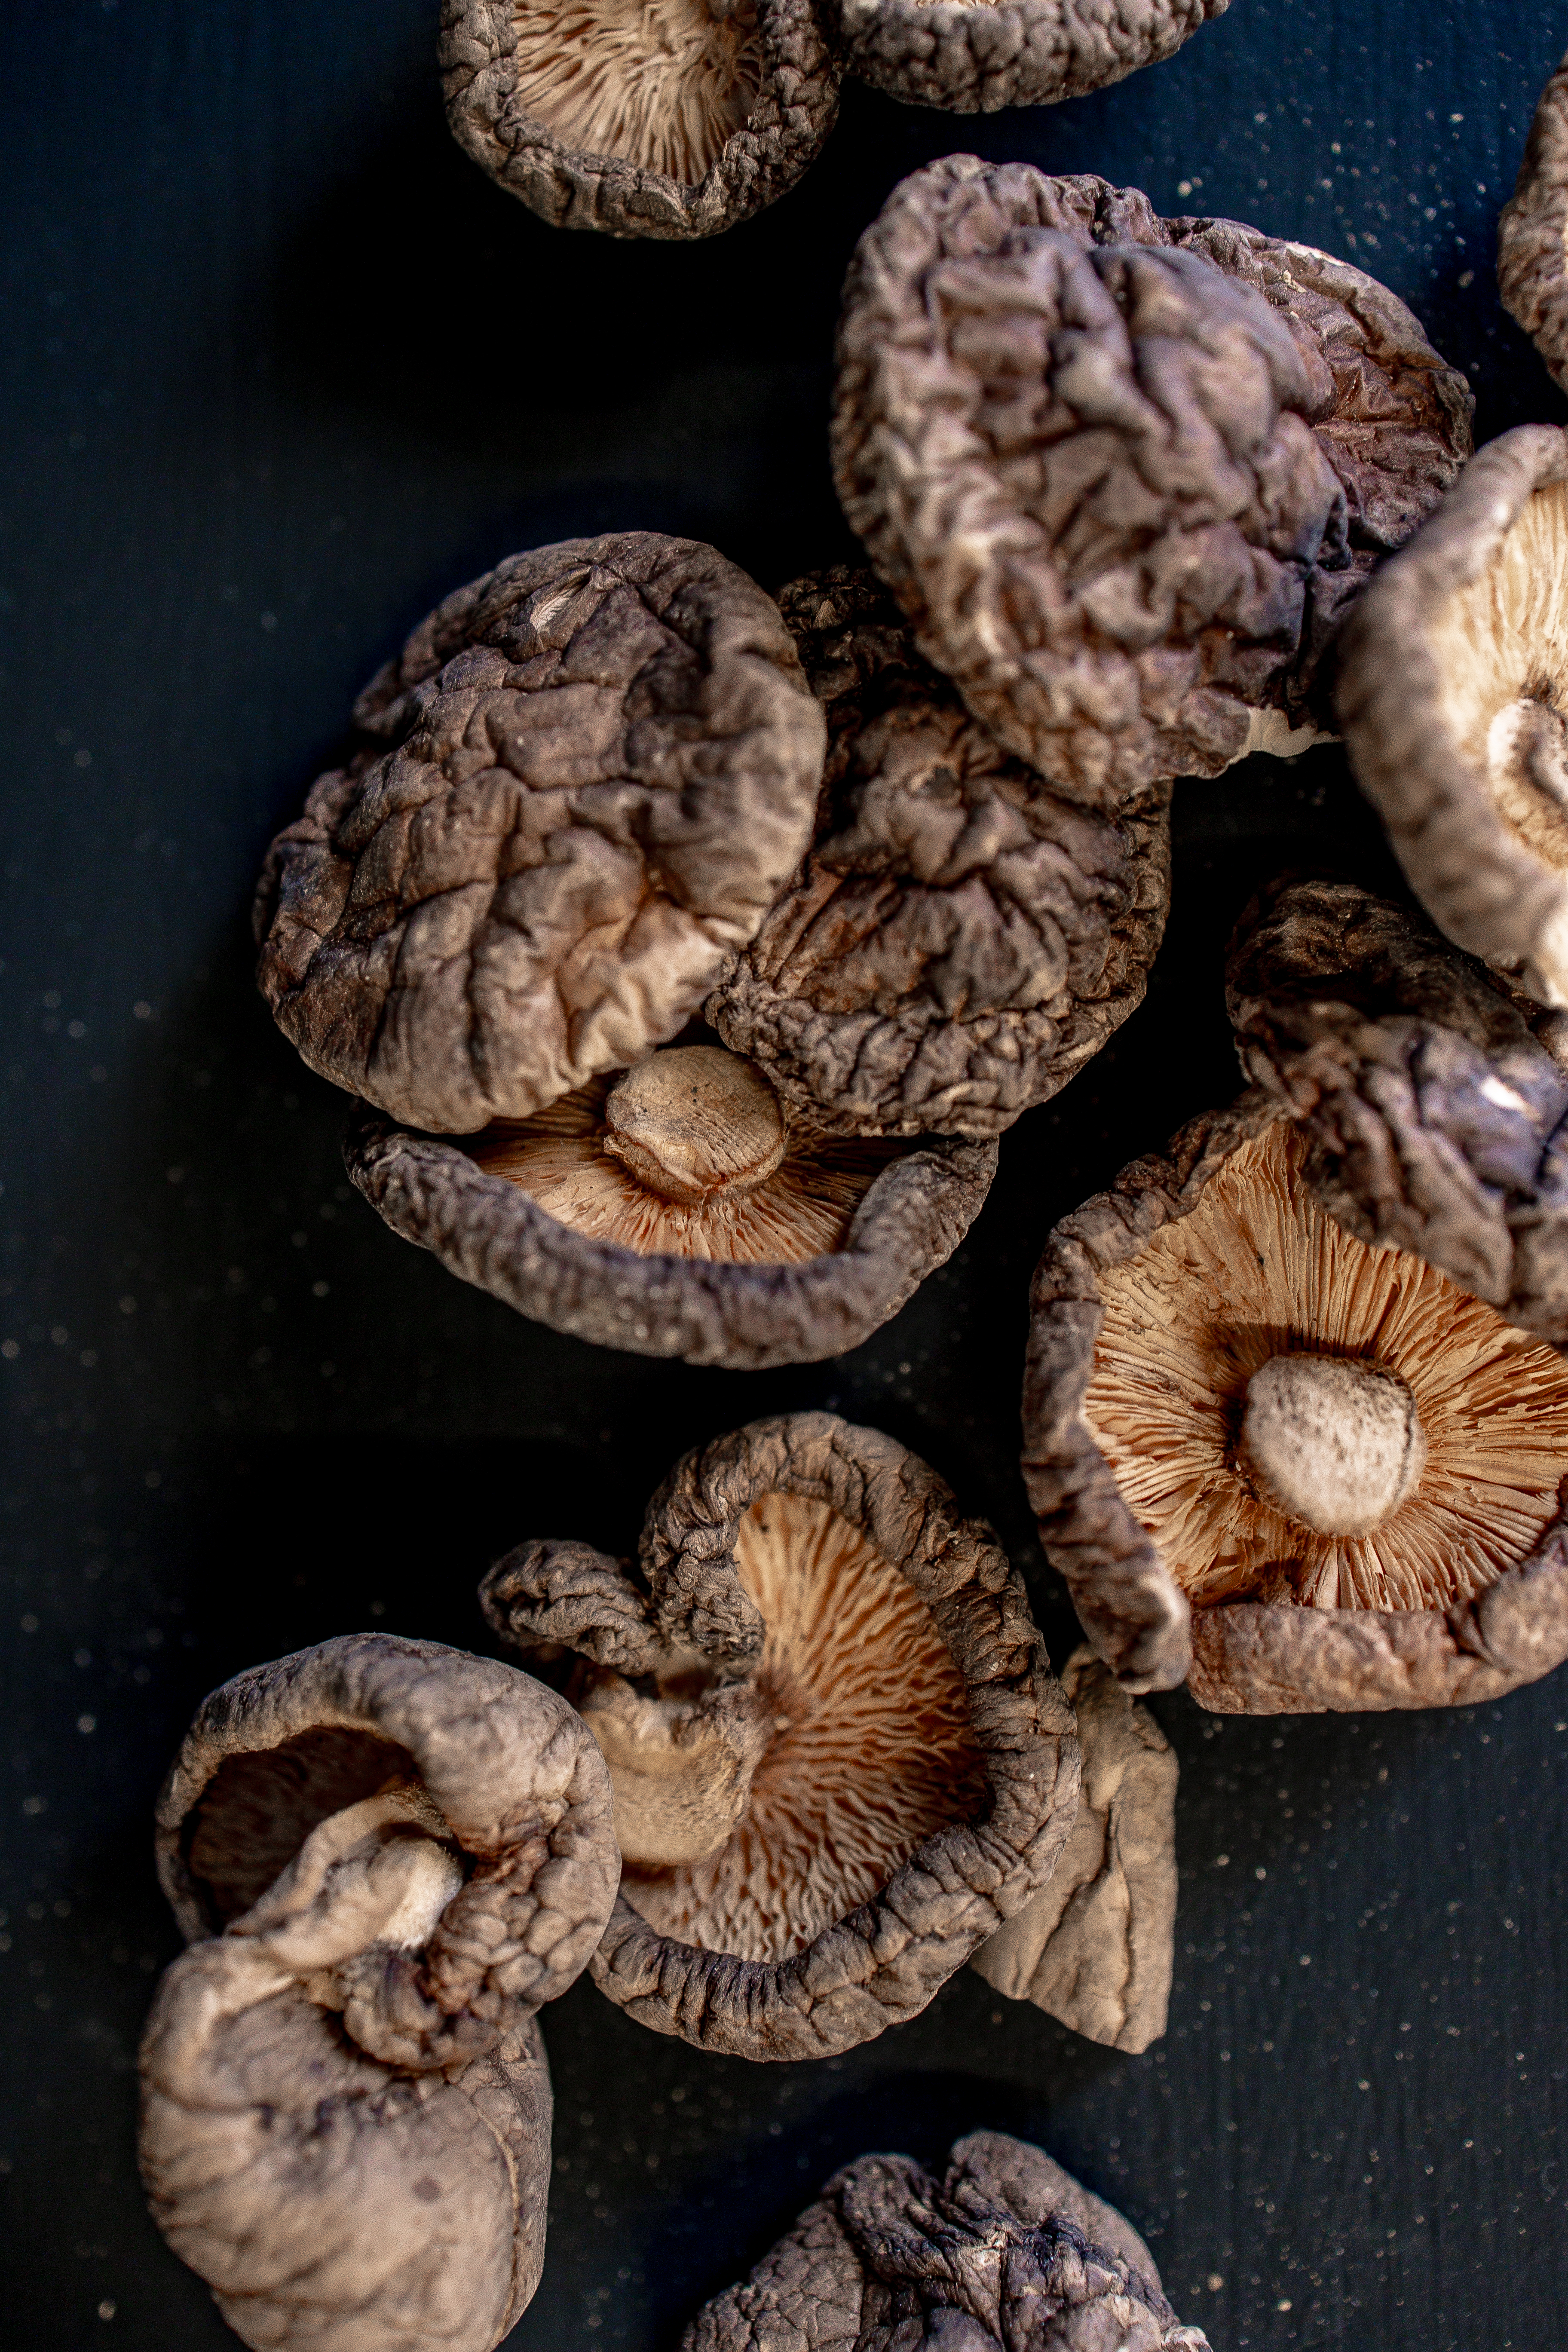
<point x="1453" y="694"/>
<point x="1126" y="475"/>
<point x="1004" y="2250"/>
<point x="640" y="118"/>
<point x="959" y="940"/>
<point x="601" y="765"/>
<point x="384" y="1856"/>
<point x="839" y="1754"/>
<point x="1306" y="1472"/>
<point x="970" y="56"/>
<point x="1532" y="233"/>
<point x="679" y="1210"/>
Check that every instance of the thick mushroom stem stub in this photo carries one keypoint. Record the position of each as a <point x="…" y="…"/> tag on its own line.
<point x="1334" y="1443"/>
<point x="695" y="1121"/>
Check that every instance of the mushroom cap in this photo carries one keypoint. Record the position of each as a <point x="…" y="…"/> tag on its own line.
<point x="1152" y="1308"/>
<point x="1125" y="474"/>
<point x="603" y="765"/>
<point x="883" y="1838"/>
<point x="1006" y="2249"/>
<point x="665" y="119"/>
<point x="970" y="56"/>
<point x="746" y="1316"/>
<point x="1453" y="691"/>
<point x="959" y="940"/>
<point x="1533" y="232"/>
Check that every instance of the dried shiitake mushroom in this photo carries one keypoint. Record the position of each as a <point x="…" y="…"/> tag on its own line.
<point x="972" y="56"/>
<point x="1532" y="233"/>
<point x="602" y="766"/>
<point x="385" y="1856"/>
<point x="1345" y="1467"/>
<point x="840" y="1758"/>
<point x="679" y="1212"/>
<point x="1097" y="1946"/>
<point x="959" y="940"/>
<point x="1126" y="474"/>
<point x="643" y="117"/>
<point x="1007" y="2253"/>
<point x="1433" y="1094"/>
<point x="1453" y="694"/>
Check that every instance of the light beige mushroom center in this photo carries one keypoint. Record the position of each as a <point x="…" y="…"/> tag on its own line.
<point x="694" y="1122"/>
<point x="661" y="84"/>
<point x="1331" y="1440"/>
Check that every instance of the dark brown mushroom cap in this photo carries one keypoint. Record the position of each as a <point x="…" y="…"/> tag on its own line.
<point x="603" y="765"/>
<point x="745" y="1317"/>
<point x="1474" y="1558"/>
<point x="881" y="1959"/>
<point x="1007" y="2250"/>
<point x="1452" y="692"/>
<point x="1125" y="474"/>
<point x="1532" y="233"/>
<point x="1431" y="1093"/>
<point x="674" y="119"/>
<point x="959" y="940"/>
<point x="970" y="56"/>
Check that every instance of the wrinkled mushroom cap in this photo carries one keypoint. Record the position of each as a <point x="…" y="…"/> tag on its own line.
<point x="603" y="765"/>
<point x="1124" y="474"/>
<point x="1453" y="694"/>
<point x="641" y="118"/>
<point x="970" y="56"/>
<point x="1006" y="2249"/>
<point x="959" y="940"/>
<point x="840" y="1754"/>
<point x="1532" y="233"/>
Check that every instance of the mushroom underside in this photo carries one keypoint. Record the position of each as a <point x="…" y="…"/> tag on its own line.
<point x="659" y="84"/>
<point x="261" y="1804"/>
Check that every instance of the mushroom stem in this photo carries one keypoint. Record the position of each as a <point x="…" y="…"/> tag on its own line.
<point x="694" y="1122"/>
<point x="681" y="1772"/>
<point x="1333" y="1443"/>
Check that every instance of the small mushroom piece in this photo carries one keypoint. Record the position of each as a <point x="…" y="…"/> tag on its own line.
<point x="1345" y="1471"/>
<point x="959" y="940"/>
<point x="602" y="765"/>
<point x="1096" y="1948"/>
<point x="970" y="56"/>
<point x="1453" y="694"/>
<point x="1126" y="475"/>
<point x="678" y="1212"/>
<point x="1532" y="233"/>
<point x="384" y="1856"/>
<point x="840" y="1758"/>
<point x="642" y="118"/>
<point x="1005" y="2252"/>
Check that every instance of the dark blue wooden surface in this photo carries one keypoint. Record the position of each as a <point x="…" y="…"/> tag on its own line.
<point x="279" y="369"/>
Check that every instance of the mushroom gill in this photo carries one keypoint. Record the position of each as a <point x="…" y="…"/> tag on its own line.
<point x="851" y="1734"/>
<point x="1295" y="1416"/>
<point x="687" y="1154"/>
<point x="661" y="84"/>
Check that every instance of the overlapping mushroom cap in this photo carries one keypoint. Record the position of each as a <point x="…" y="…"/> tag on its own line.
<point x="1126" y="474"/>
<point x="972" y="56"/>
<point x="840" y="1758"/>
<point x="604" y="765"/>
<point x="1532" y="233"/>
<point x="386" y="1856"/>
<point x="1453" y="694"/>
<point x="1314" y="1473"/>
<point x="1005" y="2252"/>
<point x="643" y="117"/>
<point x="959" y="940"/>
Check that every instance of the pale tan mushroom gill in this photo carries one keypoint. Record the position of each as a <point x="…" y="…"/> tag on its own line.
<point x="660" y="84"/>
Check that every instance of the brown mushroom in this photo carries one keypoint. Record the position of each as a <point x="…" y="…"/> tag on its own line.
<point x="1005" y="2249"/>
<point x="604" y="766"/>
<point x="959" y="940"/>
<point x="970" y="56"/>
<point x="1452" y="696"/>
<point x="384" y="1856"/>
<point x="1125" y="474"/>
<point x="839" y="1754"/>
<point x="1532" y="233"/>
<point x="1346" y="1468"/>
<point x="1096" y="1947"/>
<point x="667" y="119"/>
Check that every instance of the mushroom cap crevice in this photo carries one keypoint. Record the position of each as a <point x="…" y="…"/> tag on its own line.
<point x="972" y="56"/>
<point x="1533" y="232"/>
